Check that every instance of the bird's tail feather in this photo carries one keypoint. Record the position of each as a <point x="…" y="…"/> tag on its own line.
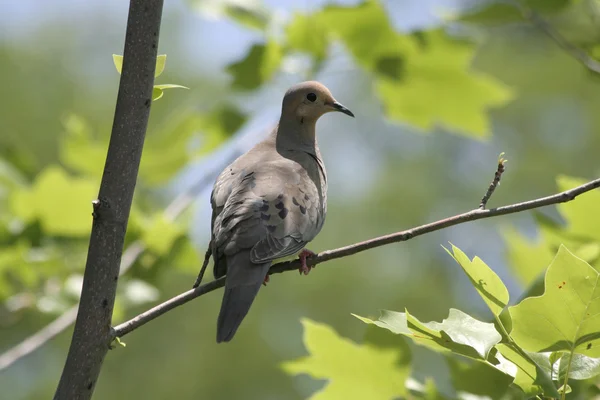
<point x="242" y="283"/>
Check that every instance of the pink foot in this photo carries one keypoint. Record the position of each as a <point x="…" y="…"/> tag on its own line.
<point x="267" y="279"/>
<point x="304" y="254"/>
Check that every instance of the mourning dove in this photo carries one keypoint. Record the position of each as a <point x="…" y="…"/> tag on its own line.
<point x="269" y="203"/>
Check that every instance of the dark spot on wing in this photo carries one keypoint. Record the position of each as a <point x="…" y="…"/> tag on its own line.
<point x="265" y="217"/>
<point x="306" y="197"/>
<point x="283" y="213"/>
<point x="265" y="206"/>
<point x="295" y="201"/>
<point x="280" y="196"/>
<point x="271" y="228"/>
<point x="279" y="206"/>
<point x="303" y="210"/>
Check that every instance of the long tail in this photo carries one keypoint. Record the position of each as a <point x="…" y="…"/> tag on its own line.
<point x="242" y="283"/>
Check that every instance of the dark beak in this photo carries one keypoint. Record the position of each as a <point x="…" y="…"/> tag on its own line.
<point x="339" y="107"/>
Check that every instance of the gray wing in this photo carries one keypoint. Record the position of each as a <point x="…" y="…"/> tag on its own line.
<point x="272" y="209"/>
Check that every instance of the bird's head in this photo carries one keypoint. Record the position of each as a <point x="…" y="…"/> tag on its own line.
<point x="309" y="100"/>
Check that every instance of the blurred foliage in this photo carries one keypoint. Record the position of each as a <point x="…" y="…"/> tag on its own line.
<point x="481" y="72"/>
<point x="422" y="78"/>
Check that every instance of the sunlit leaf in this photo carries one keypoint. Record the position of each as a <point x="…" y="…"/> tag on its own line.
<point x="566" y="316"/>
<point x="499" y="12"/>
<point x="249" y="13"/>
<point x="60" y="202"/>
<point x="157" y="93"/>
<point x="160" y="234"/>
<point x="158" y="90"/>
<point x="579" y="366"/>
<point x="527" y="258"/>
<point x="257" y="67"/>
<point x="307" y="34"/>
<point x="118" y="61"/>
<point x="529" y="376"/>
<point x="489" y="286"/>
<point x="161" y="60"/>
<point x="353" y="371"/>
<point x="582" y="216"/>
<point x="438" y="88"/>
<point x="459" y="333"/>
<point x="424" y="80"/>
<point x="170" y="86"/>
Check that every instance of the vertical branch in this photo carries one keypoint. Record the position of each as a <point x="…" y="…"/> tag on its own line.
<point x="92" y="335"/>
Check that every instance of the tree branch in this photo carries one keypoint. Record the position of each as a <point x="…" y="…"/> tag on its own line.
<point x="577" y="53"/>
<point x="111" y="211"/>
<point x="497" y="176"/>
<point x="476" y="214"/>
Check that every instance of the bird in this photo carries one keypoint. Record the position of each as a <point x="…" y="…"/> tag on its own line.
<point x="269" y="203"/>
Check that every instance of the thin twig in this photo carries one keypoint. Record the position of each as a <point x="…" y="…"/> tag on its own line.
<point x="577" y="53"/>
<point x="204" y="265"/>
<point x="497" y="176"/>
<point x="563" y="197"/>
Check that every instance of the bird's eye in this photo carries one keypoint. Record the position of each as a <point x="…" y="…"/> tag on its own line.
<point x="311" y="97"/>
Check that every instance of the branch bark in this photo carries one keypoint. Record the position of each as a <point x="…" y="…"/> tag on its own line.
<point x="92" y="333"/>
<point x="473" y="215"/>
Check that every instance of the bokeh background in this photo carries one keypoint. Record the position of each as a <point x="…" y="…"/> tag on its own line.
<point x="473" y="79"/>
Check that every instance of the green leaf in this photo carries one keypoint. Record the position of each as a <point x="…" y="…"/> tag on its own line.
<point x="259" y="65"/>
<point x="459" y="333"/>
<point x="218" y="126"/>
<point x="157" y="93"/>
<point x="501" y="12"/>
<point x="353" y="370"/>
<point x="251" y="17"/>
<point x="529" y="376"/>
<point x="161" y="60"/>
<point x="60" y="202"/>
<point x="527" y="259"/>
<point x="79" y="149"/>
<point x="170" y="86"/>
<point x="248" y="13"/>
<point x="118" y="61"/>
<point x="158" y="90"/>
<point x="582" y="216"/>
<point x="477" y="378"/>
<point x="424" y="79"/>
<point x="160" y="234"/>
<point x="307" y="34"/>
<point x="168" y="150"/>
<point x="582" y="367"/>
<point x="566" y="316"/>
<point x="439" y="89"/>
<point x="489" y="286"/>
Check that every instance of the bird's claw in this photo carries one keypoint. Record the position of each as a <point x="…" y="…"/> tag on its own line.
<point x="304" y="254"/>
<point x="267" y="279"/>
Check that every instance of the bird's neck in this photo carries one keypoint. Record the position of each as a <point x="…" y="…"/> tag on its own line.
<point x="296" y="134"/>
